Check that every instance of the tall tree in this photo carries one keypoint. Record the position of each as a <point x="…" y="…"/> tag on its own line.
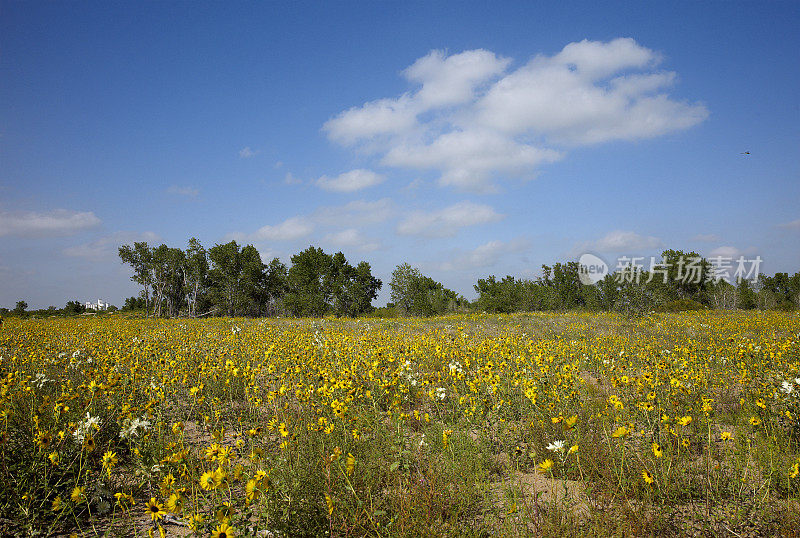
<point x="309" y="280"/>
<point x="275" y="286"/>
<point x="195" y="274"/>
<point x="403" y="285"/>
<point x="224" y="276"/>
<point x="140" y="258"/>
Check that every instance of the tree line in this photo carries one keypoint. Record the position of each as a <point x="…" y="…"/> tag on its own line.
<point x="232" y="280"/>
<point x="633" y="289"/>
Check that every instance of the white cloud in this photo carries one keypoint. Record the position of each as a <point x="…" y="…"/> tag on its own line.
<point x="469" y="119"/>
<point x="374" y="119"/>
<point x="446" y="222"/>
<point x="468" y="159"/>
<point x="350" y="215"/>
<point x="731" y="252"/>
<point x="246" y="153"/>
<point x="106" y="248"/>
<point x="355" y="213"/>
<point x="190" y="192"/>
<point x="55" y="223"/>
<point x="622" y="241"/>
<point x="289" y="179"/>
<point x="352" y="237"/>
<point x="793" y="225"/>
<point x="569" y="98"/>
<point x="288" y="230"/>
<point x="351" y="181"/>
<point x="268" y="254"/>
<point x="485" y="255"/>
<point x="451" y="80"/>
<point x="706" y="238"/>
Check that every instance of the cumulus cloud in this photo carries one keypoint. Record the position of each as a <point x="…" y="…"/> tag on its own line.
<point x="107" y="247"/>
<point x="793" y="225"/>
<point x="622" y="241"/>
<point x="351" y="181"/>
<point x="288" y="230"/>
<point x="485" y="255"/>
<point x="189" y="192"/>
<point x="470" y="119"/>
<point x="55" y="223"/>
<point x="351" y="237"/>
<point x="451" y="80"/>
<point x="468" y="159"/>
<point x="446" y="222"/>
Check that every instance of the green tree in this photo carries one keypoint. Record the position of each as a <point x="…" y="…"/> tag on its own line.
<point x="74" y="307"/>
<point x="418" y="295"/>
<point x="195" y="274"/>
<point x="275" y="286"/>
<point x="140" y="258"/>
<point x="20" y="308"/>
<point x="403" y="286"/>
<point x="745" y="295"/>
<point x="309" y="281"/>
<point x="227" y="289"/>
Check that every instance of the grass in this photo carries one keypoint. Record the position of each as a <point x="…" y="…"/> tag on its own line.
<point x="669" y="424"/>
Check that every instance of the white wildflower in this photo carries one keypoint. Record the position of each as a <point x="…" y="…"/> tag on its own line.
<point x="85" y="426"/>
<point x="556" y="446"/>
<point x="133" y="428"/>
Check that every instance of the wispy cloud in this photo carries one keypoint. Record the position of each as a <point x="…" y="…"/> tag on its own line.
<point x="793" y="225"/>
<point x="620" y="241"/>
<point x="106" y="248"/>
<point x="728" y="251"/>
<point x="355" y="213"/>
<point x="706" y="238"/>
<point x="347" y="218"/>
<point x="246" y="153"/>
<point x="351" y="181"/>
<point x="446" y="222"/>
<point x="471" y="119"/>
<point x="290" y="179"/>
<point x="55" y="223"/>
<point x="189" y="192"/>
<point x="352" y="238"/>
<point x="485" y="255"/>
<point x="288" y="230"/>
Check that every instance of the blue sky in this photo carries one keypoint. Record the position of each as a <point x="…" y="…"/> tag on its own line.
<point x="467" y="139"/>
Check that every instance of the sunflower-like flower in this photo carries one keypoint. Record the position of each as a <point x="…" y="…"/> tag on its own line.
<point x="657" y="450"/>
<point x="224" y="531"/>
<point x="110" y="460"/>
<point x="647" y="477"/>
<point x="207" y="481"/>
<point x="155" y="510"/>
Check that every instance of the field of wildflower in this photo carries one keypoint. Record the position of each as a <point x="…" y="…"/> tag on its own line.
<point x="474" y="425"/>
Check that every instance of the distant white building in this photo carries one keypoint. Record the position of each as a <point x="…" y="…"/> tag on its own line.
<point x="99" y="305"/>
